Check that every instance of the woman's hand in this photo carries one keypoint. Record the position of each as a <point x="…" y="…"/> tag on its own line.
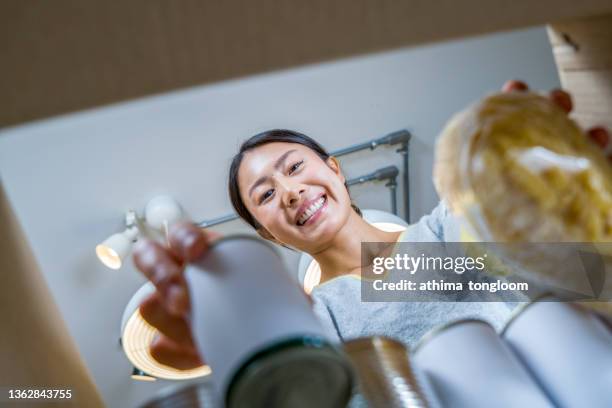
<point x="167" y="309"/>
<point x="598" y="134"/>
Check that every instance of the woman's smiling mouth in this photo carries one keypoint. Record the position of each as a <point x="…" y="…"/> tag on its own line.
<point x="311" y="210"/>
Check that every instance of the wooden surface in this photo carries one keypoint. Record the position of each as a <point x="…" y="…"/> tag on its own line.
<point x="35" y="348"/>
<point x="65" y="55"/>
<point x="583" y="53"/>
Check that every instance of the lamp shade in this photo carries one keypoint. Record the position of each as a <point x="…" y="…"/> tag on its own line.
<point x="137" y="336"/>
<point x="309" y="271"/>
<point x="115" y="248"/>
<point x="162" y="211"/>
<point x="385" y="221"/>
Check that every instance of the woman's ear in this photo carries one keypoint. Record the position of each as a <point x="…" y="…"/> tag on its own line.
<point x="334" y="164"/>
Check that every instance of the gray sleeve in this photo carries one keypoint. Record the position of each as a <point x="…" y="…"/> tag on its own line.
<point x="438" y="226"/>
<point x="438" y="219"/>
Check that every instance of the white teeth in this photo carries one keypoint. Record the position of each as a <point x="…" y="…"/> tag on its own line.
<point x="311" y="210"/>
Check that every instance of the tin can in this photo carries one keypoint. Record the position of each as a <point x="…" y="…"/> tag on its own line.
<point x="256" y="329"/>
<point x="568" y="350"/>
<point x="387" y="378"/>
<point x="470" y="366"/>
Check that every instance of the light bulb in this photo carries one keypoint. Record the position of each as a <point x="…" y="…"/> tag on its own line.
<point x="116" y="248"/>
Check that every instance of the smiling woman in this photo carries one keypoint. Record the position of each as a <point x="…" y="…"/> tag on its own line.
<point x="278" y="136"/>
<point x="293" y="193"/>
<point x="290" y="190"/>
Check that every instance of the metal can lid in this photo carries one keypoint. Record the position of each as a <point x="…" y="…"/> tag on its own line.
<point x="305" y="372"/>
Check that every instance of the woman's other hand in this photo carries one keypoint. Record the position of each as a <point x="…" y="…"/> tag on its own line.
<point x="167" y="309"/>
<point x="598" y="134"/>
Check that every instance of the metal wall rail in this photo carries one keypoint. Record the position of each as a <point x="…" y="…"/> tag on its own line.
<point x="390" y="173"/>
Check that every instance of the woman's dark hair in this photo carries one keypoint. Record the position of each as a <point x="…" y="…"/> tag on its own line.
<point x="260" y="139"/>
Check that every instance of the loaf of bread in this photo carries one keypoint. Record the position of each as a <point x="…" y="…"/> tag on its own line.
<point x="520" y="170"/>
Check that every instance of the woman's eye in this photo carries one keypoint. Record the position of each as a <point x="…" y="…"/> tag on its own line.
<point x="295" y="166"/>
<point x="266" y="195"/>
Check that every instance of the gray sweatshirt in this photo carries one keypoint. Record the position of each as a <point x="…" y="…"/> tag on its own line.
<point x="338" y="303"/>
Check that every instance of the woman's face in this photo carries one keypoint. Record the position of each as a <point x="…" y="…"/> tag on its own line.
<point x="299" y="199"/>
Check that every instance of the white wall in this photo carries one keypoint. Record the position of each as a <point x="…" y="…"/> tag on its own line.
<point x="71" y="178"/>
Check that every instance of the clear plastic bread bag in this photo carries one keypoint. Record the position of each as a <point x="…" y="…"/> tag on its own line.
<point x="519" y="172"/>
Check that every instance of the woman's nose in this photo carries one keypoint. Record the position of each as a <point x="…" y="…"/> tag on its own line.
<point x="293" y="197"/>
<point x="291" y="193"/>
